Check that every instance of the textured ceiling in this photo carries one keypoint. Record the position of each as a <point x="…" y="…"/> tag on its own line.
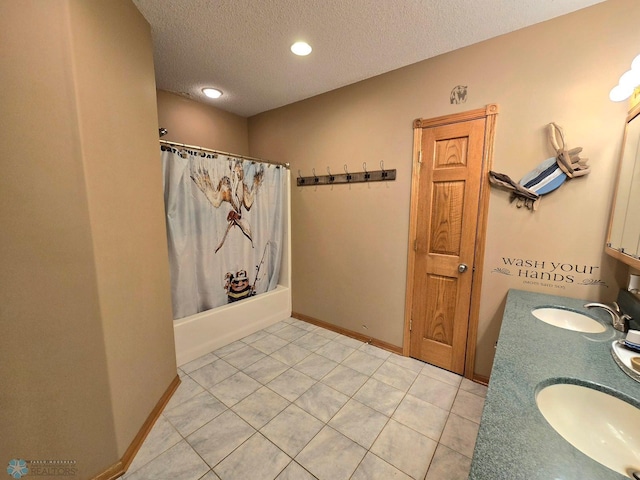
<point x="242" y="46"/>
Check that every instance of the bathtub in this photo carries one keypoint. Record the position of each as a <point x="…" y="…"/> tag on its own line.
<point x="206" y="331"/>
<point x="203" y="332"/>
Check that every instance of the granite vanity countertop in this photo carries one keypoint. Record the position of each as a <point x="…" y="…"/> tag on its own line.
<point x="515" y="441"/>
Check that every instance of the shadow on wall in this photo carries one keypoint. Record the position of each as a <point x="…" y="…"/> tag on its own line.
<point x="486" y="341"/>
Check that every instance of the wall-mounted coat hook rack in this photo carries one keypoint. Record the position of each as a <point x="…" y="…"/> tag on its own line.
<point x="346" y="177"/>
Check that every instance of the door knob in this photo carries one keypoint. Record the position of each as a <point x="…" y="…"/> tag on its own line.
<point x="462" y="268"/>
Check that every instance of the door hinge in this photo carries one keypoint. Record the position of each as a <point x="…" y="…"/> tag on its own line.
<point x="420" y="156"/>
<point x="415" y="245"/>
<point x="410" y="324"/>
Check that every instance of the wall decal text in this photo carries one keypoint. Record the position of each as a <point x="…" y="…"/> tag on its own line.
<point x="547" y="273"/>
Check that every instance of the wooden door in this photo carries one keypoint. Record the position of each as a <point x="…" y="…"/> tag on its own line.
<point x="445" y="220"/>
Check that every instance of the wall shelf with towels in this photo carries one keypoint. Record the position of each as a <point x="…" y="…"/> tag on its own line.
<point x="356" y="177"/>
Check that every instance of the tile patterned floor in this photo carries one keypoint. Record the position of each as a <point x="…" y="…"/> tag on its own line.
<point x="298" y="402"/>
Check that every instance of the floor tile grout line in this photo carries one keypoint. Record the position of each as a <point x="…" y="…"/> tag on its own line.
<point x="445" y="426"/>
<point x="231" y="452"/>
<point x="368" y="450"/>
<point x="249" y="438"/>
<point x="388" y="418"/>
<point x="441" y="433"/>
<point x="351" y="397"/>
<point x="312" y="350"/>
<point x="211" y="393"/>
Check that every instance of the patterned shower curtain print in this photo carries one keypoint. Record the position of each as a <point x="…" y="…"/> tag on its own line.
<point x="231" y="189"/>
<point x="225" y="224"/>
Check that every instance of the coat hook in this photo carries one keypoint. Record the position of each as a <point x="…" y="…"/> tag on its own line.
<point x="367" y="175"/>
<point x="315" y="178"/>
<point x="300" y="179"/>
<point x="384" y="173"/>
<point x="347" y="172"/>
<point x="331" y="177"/>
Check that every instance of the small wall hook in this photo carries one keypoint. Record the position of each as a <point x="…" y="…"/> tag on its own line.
<point x="347" y="172"/>
<point x="315" y="177"/>
<point x="384" y="173"/>
<point x="331" y="177"/>
<point x="367" y="175"/>
<point x="300" y="179"/>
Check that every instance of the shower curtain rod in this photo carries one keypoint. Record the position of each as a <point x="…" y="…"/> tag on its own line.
<point x="219" y="152"/>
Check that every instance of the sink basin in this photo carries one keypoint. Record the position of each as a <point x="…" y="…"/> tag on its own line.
<point x="601" y="426"/>
<point x="568" y="319"/>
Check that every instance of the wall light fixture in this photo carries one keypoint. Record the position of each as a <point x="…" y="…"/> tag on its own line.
<point x="629" y="80"/>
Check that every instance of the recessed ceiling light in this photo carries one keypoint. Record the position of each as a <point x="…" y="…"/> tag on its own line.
<point x="212" y="92"/>
<point x="301" y="48"/>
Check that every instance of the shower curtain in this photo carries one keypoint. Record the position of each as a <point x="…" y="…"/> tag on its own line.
<point x="225" y="225"/>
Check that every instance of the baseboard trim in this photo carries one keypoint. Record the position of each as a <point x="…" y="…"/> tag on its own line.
<point x="349" y="333"/>
<point x="119" y="468"/>
<point x="480" y="379"/>
<point x="364" y="338"/>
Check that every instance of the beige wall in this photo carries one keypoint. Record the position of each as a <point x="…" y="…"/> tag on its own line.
<point x="88" y="345"/>
<point x="124" y="189"/>
<point x="349" y="248"/>
<point x="56" y="399"/>
<point x="200" y="124"/>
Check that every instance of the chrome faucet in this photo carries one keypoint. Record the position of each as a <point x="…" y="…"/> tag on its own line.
<point x="619" y="319"/>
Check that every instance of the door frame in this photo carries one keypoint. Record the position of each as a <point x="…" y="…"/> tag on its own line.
<point x="490" y="113"/>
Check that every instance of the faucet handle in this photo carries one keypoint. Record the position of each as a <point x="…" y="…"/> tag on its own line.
<point x="616" y="307"/>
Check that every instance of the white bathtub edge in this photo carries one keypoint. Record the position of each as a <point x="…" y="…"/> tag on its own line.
<point x="207" y="331"/>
